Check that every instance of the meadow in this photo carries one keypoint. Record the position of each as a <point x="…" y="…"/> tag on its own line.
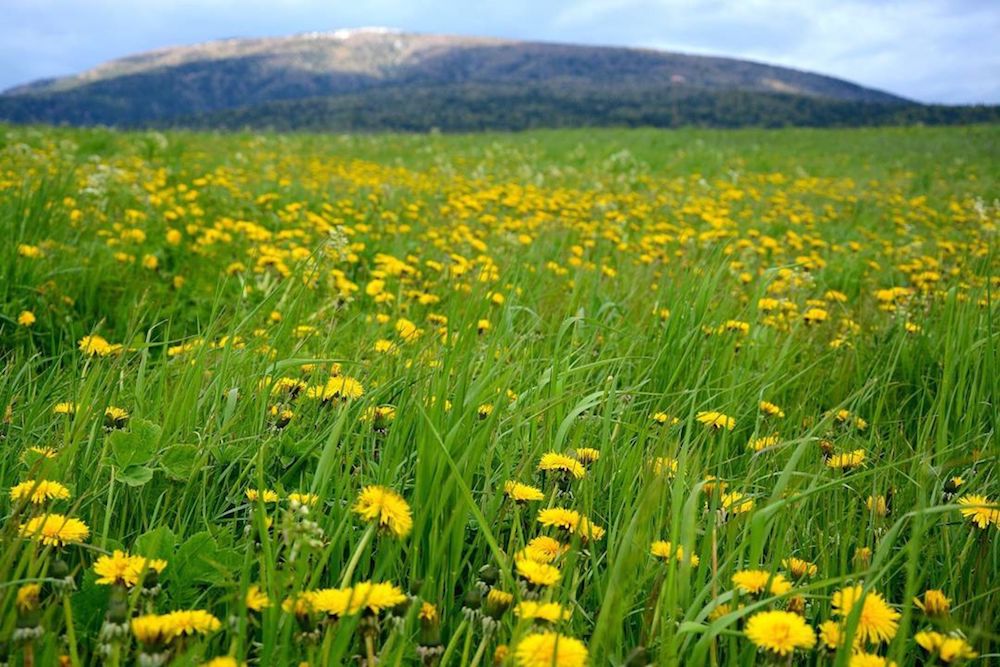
<point x="604" y="397"/>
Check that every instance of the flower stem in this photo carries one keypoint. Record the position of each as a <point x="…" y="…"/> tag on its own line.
<point x="356" y="557"/>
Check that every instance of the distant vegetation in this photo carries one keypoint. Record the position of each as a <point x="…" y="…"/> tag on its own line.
<point x="470" y="108"/>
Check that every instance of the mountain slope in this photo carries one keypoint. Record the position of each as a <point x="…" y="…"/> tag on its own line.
<point x="344" y="69"/>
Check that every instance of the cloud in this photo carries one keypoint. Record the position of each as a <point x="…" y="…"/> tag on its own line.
<point x="930" y="50"/>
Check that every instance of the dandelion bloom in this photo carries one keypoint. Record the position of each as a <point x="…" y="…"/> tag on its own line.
<point x="736" y="502"/>
<point x="847" y="460"/>
<point x="862" y="659"/>
<point x="549" y="612"/>
<point x="123" y="569"/>
<point x="543" y="549"/>
<point x="222" y="661"/>
<point x="265" y="496"/>
<point x="340" y="387"/>
<point x="522" y="493"/>
<point x="375" y="597"/>
<point x="665" y="551"/>
<point x="26" y="318"/>
<point x="571" y="521"/>
<point x="831" y="635"/>
<point x="980" y="510"/>
<point x="770" y="409"/>
<point x="754" y="582"/>
<point x="716" y="420"/>
<point x="539" y="574"/>
<point x="946" y="648"/>
<point x="815" y="316"/>
<point x="878" y="621"/>
<point x="760" y="444"/>
<point x="308" y="499"/>
<point x="663" y="418"/>
<point x="550" y="649"/>
<point x="27" y="597"/>
<point x="157" y="628"/>
<point x="664" y="465"/>
<point x="65" y="408"/>
<point x="256" y="599"/>
<point x="377" y="503"/>
<point x="97" y="346"/>
<point x="935" y="603"/>
<point x="555" y="462"/>
<point x="799" y="568"/>
<point x="55" y="530"/>
<point x="587" y="454"/>
<point x="39" y="492"/>
<point x="780" y="632"/>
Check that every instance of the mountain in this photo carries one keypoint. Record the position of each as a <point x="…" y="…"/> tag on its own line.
<point x="374" y="79"/>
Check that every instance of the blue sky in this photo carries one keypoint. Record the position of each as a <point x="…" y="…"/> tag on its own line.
<point x="929" y="50"/>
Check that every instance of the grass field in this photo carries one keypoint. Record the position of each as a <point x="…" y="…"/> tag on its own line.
<point x="298" y="399"/>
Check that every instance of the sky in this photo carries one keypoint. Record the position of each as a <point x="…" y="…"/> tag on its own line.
<point x="927" y="50"/>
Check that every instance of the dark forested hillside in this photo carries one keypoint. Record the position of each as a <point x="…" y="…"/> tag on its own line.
<point x="384" y="80"/>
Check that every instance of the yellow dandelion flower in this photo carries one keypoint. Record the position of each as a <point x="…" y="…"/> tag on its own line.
<point x="771" y="410"/>
<point x="256" y="599"/>
<point x="847" y="460"/>
<point x="780" y="632"/>
<point x="662" y="418"/>
<point x="760" y="444"/>
<point x="121" y="568"/>
<point x="934" y="603"/>
<point x="862" y="659"/>
<point x="664" y="465"/>
<point x="877" y="622"/>
<point x="716" y="420"/>
<point x="799" y="568"/>
<point x="555" y="462"/>
<point x="548" y="612"/>
<point x="543" y="549"/>
<point x="377" y="503"/>
<point x="946" y="648"/>
<point x="550" y="649"/>
<point x="265" y="496"/>
<point x="522" y="493"/>
<point x="980" y="510"/>
<point x="755" y="582"/>
<point x="28" y="597"/>
<point x="539" y="574"/>
<point x="736" y="502"/>
<point x="39" y="492"/>
<point x="374" y="597"/>
<point x="55" y="530"/>
<point x="65" y="408"/>
<point x="665" y="551"/>
<point x="97" y="346"/>
<point x="308" y="499"/>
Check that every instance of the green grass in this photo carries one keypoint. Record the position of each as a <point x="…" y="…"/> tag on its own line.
<point x="587" y="235"/>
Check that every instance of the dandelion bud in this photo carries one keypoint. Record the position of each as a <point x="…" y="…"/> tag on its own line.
<point x="934" y="603"/>
<point x="497" y="602"/>
<point x="430" y="625"/>
<point x="489" y="574"/>
<point x="117" y="605"/>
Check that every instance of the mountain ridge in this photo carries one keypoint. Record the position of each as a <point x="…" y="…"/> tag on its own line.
<point x="360" y="69"/>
